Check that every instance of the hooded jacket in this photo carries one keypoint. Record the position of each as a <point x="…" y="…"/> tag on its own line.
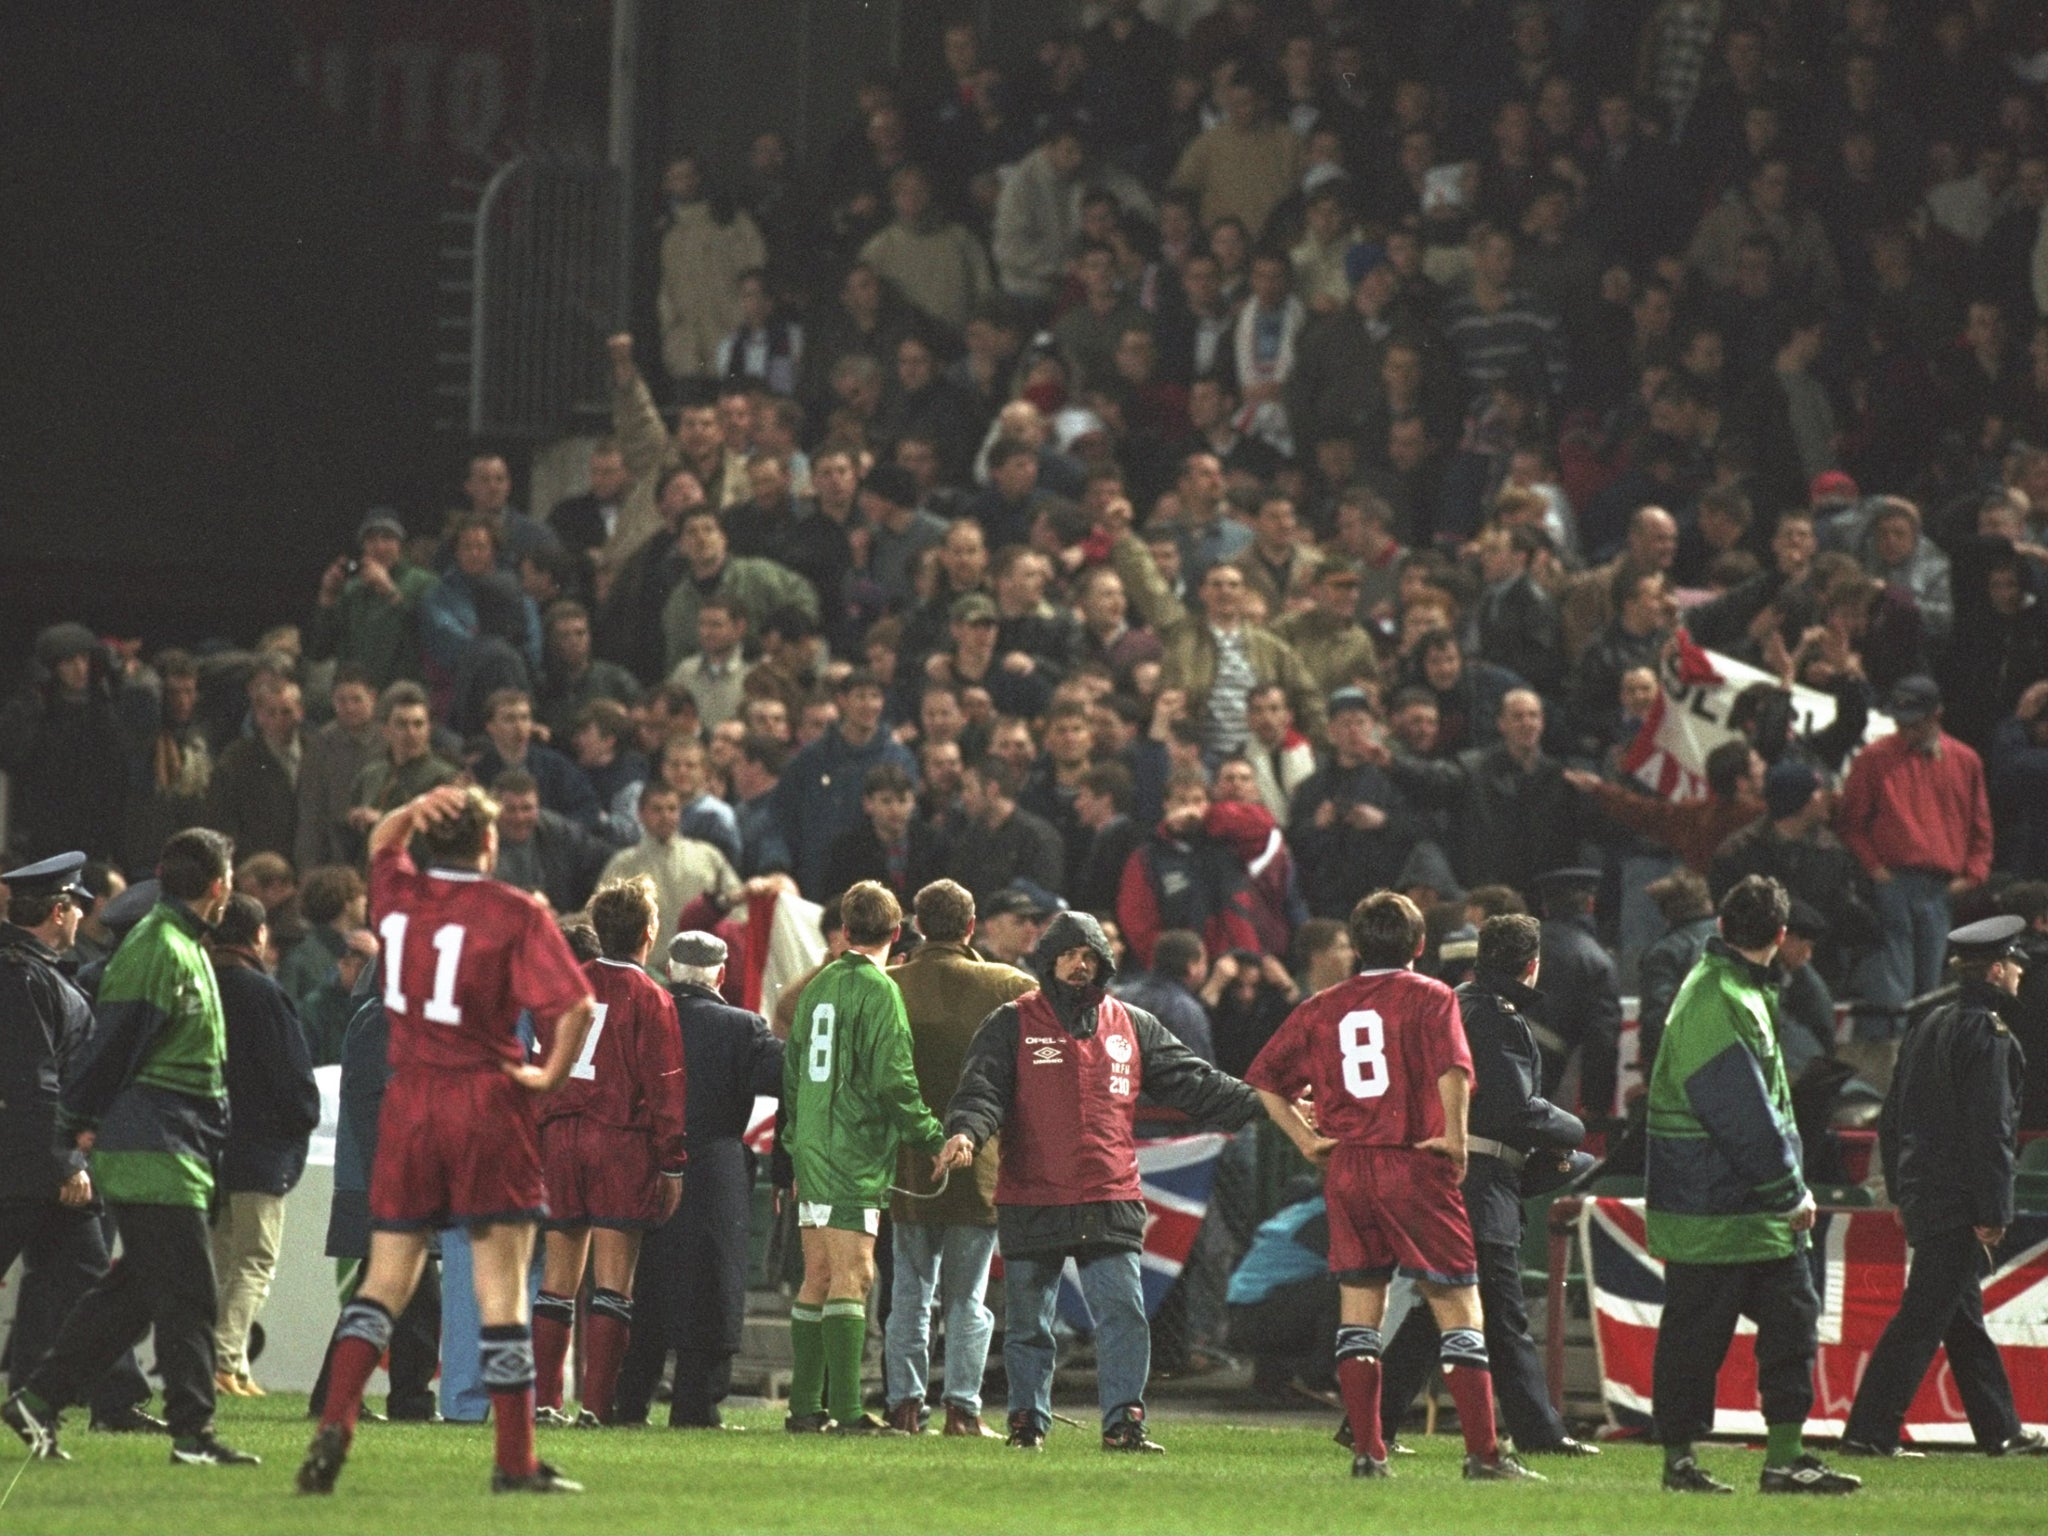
<point x="66" y="753"/>
<point x="1059" y="1072"/>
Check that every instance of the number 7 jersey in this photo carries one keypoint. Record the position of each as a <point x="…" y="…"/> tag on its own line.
<point x="463" y="955"/>
<point x="1370" y="1051"/>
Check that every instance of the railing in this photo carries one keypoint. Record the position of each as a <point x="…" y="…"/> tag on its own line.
<point x="548" y="286"/>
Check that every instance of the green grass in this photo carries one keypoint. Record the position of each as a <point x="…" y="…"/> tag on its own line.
<point x="417" y="1480"/>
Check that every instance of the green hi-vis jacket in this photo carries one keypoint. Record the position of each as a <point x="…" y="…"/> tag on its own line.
<point x="1724" y="1155"/>
<point x="151" y="1084"/>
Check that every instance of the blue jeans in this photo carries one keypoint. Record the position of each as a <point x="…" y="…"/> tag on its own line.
<point x="1123" y="1338"/>
<point x="952" y="1261"/>
<point x="1913" y="909"/>
<point x="463" y="1398"/>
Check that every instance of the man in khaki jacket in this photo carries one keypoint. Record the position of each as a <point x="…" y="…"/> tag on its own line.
<point x="944" y="1243"/>
<point x="1195" y="648"/>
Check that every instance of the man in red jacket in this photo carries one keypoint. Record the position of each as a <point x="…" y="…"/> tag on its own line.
<point x="1916" y="815"/>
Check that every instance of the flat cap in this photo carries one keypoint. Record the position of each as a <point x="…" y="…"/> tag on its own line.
<point x="380" y="520"/>
<point x="56" y="876"/>
<point x="1995" y="938"/>
<point x="695" y="947"/>
<point x="1348" y="698"/>
<point x="1913" y="699"/>
<point x="1570" y="875"/>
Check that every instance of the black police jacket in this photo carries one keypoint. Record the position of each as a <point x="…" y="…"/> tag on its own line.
<point x="1947" y="1136"/>
<point x="1581" y="990"/>
<point x="45" y="1022"/>
<point x="1507" y="1106"/>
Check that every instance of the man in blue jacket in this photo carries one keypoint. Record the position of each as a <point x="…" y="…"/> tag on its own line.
<point x="818" y="797"/>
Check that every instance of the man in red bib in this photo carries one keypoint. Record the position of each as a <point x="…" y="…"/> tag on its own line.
<point x="1384" y="1058"/>
<point x="1058" y="1072"/>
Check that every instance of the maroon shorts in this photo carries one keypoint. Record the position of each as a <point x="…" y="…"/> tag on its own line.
<point x="1393" y="1209"/>
<point x="599" y="1176"/>
<point x="455" y="1149"/>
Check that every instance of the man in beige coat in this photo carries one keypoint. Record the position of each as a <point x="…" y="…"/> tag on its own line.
<point x="944" y="1243"/>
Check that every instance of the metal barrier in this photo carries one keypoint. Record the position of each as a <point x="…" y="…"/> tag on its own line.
<point x="548" y="287"/>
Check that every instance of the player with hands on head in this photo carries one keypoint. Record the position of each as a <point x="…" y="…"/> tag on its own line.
<point x="611" y="1140"/>
<point x="458" y="1142"/>
<point x="1385" y="1058"/>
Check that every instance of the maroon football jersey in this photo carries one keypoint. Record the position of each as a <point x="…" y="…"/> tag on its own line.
<point x="463" y="954"/>
<point x="1371" y="1049"/>
<point x="629" y="1075"/>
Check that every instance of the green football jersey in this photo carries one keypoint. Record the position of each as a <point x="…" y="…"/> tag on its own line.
<point x="849" y="1087"/>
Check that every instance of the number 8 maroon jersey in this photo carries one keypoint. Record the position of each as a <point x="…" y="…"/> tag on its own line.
<point x="1370" y="1049"/>
<point x="463" y="955"/>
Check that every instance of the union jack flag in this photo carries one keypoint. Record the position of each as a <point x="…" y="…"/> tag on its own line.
<point x="1859" y="1260"/>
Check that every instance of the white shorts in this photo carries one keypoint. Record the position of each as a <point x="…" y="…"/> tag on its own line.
<point x="838" y="1218"/>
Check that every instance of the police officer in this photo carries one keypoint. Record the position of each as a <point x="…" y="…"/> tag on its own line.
<point x="1947" y="1138"/>
<point x="1584" y="991"/>
<point x="1515" y="1134"/>
<point x="49" y="1211"/>
<point x="692" y="1281"/>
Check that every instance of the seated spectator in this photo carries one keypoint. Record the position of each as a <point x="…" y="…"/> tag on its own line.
<point x="367" y="613"/>
<point x="335" y="906"/>
<point x="1169" y="988"/>
<point x="892" y="844"/>
<point x="542" y="851"/>
<point x="508" y="723"/>
<point x="995" y="843"/>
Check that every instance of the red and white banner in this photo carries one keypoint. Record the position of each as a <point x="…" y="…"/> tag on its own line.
<point x="1690" y="718"/>
<point x="1860" y="1270"/>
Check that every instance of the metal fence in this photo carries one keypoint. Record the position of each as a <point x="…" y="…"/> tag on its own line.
<point x="549" y="286"/>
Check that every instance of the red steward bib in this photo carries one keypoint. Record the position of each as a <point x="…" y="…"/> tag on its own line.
<point x="1068" y="1139"/>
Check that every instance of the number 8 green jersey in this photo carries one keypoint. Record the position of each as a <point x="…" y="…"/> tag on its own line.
<point x="849" y="1088"/>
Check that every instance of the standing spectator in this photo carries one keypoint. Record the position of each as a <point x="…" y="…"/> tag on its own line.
<point x="476" y="626"/>
<point x="1688" y="911"/>
<point x="681" y="868"/>
<point x="1102" y="809"/>
<point x="1947" y="1137"/>
<point x="61" y="744"/>
<point x="818" y="797"/>
<point x="1519" y="625"/>
<point x="1245" y="165"/>
<point x="584" y="522"/>
<point x="893" y="846"/>
<point x="1498" y="333"/>
<point x="1729" y="1212"/>
<point x="2019" y="786"/>
<point x="944" y="1242"/>
<point x="571" y="677"/>
<point x="404" y="770"/>
<point x="367" y="613"/>
<point x="332" y="757"/>
<point x="1186" y="877"/>
<point x="254" y="794"/>
<point x="1900" y="555"/>
<point x="755" y="774"/>
<point x="1916" y="814"/>
<point x="150" y="1102"/>
<point x="508" y="723"/>
<point x="1068" y="1180"/>
<point x="708" y="243"/>
<point x="1584" y="1015"/>
<point x="1692" y="829"/>
<point x="273" y="1110"/>
<point x="714" y="674"/>
<point x="1792" y="844"/>
<point x="1806" y="256"/>
<point x="541" y="851"/>
<point x="1280" y="756"/>
<point x="759" y="587"/>
<point x="997" y="843"/>
<point x="936" y="264"/>
<point x="1170" y="988"/>
<point x="335" y="905"/>
<point x="172" y="768"/>
<point x="1351" y="830"/>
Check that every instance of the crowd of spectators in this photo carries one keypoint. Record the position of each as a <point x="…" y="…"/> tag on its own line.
<point x="1203" y="473"/>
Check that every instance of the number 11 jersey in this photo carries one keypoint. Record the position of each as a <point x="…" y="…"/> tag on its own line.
<point x="462" y="956"/>
<point x="1370" y="1050"/>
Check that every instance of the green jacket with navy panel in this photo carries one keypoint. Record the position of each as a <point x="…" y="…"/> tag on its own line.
<point x="849" y="1086"/>
<point x="1724" y="1155"/>
<point x="151" y="1085"/>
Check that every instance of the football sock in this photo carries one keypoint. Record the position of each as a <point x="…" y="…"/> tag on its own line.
<point x="807" y="1368"/>
<point x="506" y="1355"/>
<point x="553" y="1319"/>
<point x="1358" y="1378"/>
<point x="360" y="1339"/>
<point x="1469" y="1375"/>
<point x="846" y="1334"/>
<point x="611" y="1325"/>
<point x="1783" y="1444"/>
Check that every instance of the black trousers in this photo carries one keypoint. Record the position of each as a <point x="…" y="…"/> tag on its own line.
<point x="1701" y="1305"/>
<point x="1291" y="1335"/>
<point x="415" y="1352"/>
<point x="1520" y="1389"/>
<point x="64" y="1254"/>
<point x="164" y="1282"/>
<point x="1943" y="1307"/>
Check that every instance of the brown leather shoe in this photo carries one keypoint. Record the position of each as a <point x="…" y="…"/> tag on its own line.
<point x="960" y="1422"/>
<point x="907" y="1416"/>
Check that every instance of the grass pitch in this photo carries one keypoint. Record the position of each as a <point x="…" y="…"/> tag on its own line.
<point x="421" y="1480"/>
